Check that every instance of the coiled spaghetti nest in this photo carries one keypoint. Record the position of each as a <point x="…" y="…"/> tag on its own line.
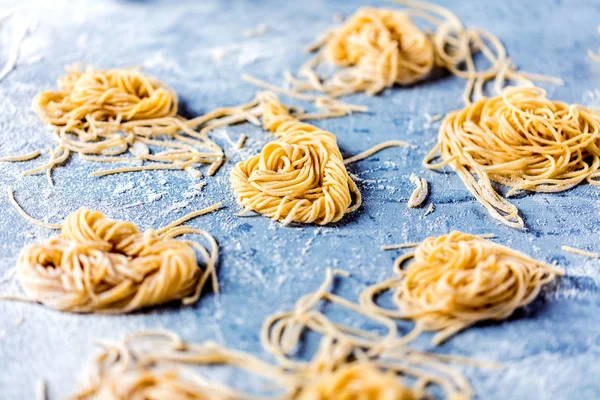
<point x="522" y="140"/>
<point x="100" y="265"/>
<point x="103" y="114"/>
<point x="385" y="48"/>
<point x="88" y="100"/>
<point x="357" y="381"/>
<point x="160" y="365"/>
<point x="459" y="279"/>
<point x="377" y="48"/>
<point x="300" y="177"/>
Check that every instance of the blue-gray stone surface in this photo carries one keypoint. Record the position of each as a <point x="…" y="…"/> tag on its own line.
<point x="550" y="350"/>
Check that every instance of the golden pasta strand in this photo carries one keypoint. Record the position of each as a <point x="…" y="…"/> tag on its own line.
<point x="375" y="149"/>
<point x="430" y="209"/>
<point x="15" y="204"/>
<point x="24" y="157"/>
<point x="580" y="252"/>
<point x="241" y="141"/>
<point x="420" y="193"/>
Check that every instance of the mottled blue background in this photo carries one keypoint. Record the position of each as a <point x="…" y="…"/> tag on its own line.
<point x="551" y="350"/>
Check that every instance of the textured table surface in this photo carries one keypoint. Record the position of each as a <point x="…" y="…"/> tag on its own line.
<point x="550" y="350"/>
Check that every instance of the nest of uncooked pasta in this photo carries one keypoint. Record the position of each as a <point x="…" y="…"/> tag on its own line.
<point x="522" y="140"/>
<point x="377" y="48"/>
<point x="457" y="280"/>
<point x="99" y="265"/>
<point x="301" y="177"/>
<point x="120" y="115"/>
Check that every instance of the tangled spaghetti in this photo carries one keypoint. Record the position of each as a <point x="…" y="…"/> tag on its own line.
<point x="457" y="280"/>
<point x="160" y="365"/>
<point x="300" y="177"/>
<point x="104" y="266"/>
<point x="103" y="114"/>
<point x="282" y="333"/>
<point x="377" y="48"/>
<point x="522" y="140"/>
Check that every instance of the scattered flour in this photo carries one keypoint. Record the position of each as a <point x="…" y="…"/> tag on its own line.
<point x="160" y="60"/>
<point x="176" y="206"/>
<point x="259" y="30"/>
<point x="153" y="196"/>
<point x="123" y="187"/>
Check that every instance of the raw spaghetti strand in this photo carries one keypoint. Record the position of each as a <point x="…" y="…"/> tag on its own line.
<point x="102" y="115"/>
<point x="98" y="265"/>
<point x="457" y="280"/>
<point x="19" y="158"/>
<point x="420" y="193"/>
<point x="161" y="365"/>
<point x="580" y="252"/>
<point x="15" y="204"/>
<point x="520" y="139"/>
<point x="376" y="149"/>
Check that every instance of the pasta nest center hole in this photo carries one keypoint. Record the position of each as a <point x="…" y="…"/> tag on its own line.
<point x="284" y="168"/>
<point x="100" y="265"/>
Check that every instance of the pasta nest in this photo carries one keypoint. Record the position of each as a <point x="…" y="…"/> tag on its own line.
<point x="384" y="45"/>
<point x="150" y="385"/>
<point x="100" y="265"/>
<point x="158" y="364"/>
<point x="357" y="381"/>
<point x="300" y="177"/>
<point x="459" y="279"/>
<point x="91" y="100"/>
<point x="523" y="140"/>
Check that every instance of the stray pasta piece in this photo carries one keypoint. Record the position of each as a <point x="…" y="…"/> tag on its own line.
<point x="420" y="193"/>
